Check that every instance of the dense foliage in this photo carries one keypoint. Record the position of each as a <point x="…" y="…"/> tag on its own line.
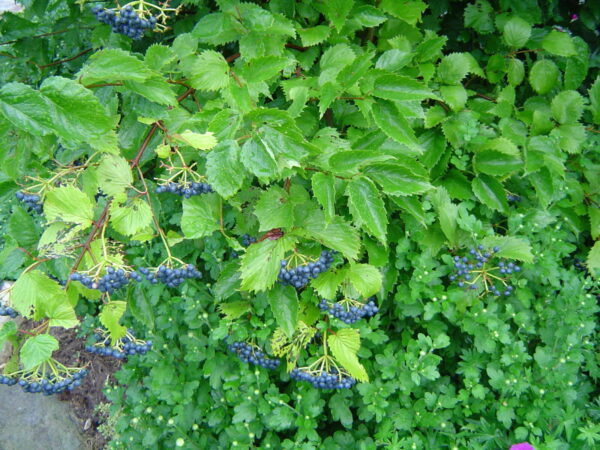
<point x="329" y="224"/>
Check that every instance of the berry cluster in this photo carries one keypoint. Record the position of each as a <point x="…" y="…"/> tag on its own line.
<point x="300" y="275"/>
<point x="249" y="354"/>
<point x="126" y="346"/>
<point x="125" y="21"/>
<point x="185" y="190"/>
<point x="480" y="268"/>
<point x="171" y="277"/>
<point x="247" y="240"/>
<point x="324" y="380"/>
<point x="349" y="312"/>
<point x="32" y="201"/>
<point x="49" y="383"/>
<point x="8" y="311"/>
<point x="513" y="198"/>
<point x="114" y="279"/>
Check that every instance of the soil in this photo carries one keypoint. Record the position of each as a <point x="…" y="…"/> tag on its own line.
<point x="83" y="400"/>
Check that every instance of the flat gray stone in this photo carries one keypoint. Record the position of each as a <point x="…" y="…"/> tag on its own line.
<point x="36" y="422"/>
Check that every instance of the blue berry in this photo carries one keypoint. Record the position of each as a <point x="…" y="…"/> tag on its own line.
<point x="324" y="380"/>
<point x="32" y="201"/>
<point x="252" y="355"/>
<point x="299" y="276"/>
<point x="349" y="315"/>
<point x="185" y="190"/>
<point x="125" y="21"/>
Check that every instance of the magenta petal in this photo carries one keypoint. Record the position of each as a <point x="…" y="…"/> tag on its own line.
<point x="522" y="446"/>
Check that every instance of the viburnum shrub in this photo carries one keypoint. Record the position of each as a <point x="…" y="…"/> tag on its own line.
<point x="327" y="224"/>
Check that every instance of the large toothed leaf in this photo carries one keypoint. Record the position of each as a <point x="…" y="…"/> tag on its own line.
<point x="367" y="207"/>
<point x="344" y="346"/>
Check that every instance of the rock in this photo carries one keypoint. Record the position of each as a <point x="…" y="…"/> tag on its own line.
<point x="36" y="422"/>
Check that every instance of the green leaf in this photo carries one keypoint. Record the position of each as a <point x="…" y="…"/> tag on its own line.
<point x="284" y="305"/>
<point x="559" y="43"/>
<point x="516" y="32"/>
<point x="340" y="410"/>
<point x="329" y="282"/>
<point x="323" y="186"/>
<point x="336" y="234"/>
<point x="37" y="349"/>
<point x="337" y="11"/>
<point x="110" y="316"/>
<point x="8" y="330"/>
<point x="344" y="346"/>
<point x="157" y="56"/>
<point x="392" y="123"/>
<point x="515" y="71"/>
<point x="396" y="179"/>
<point x="493" y="162"/>
<point x="332" y="62"/>
<point x="455" y="96"/>
<point x="201" y="215"/>
<point x="490" y="192"/>
<point x="199" y="141"/>
<point x="274" y="209"/>
<point x="544" y="187"/>
<point x="480" y="17"/>
<point x="349" y="162"/>
<point x="114" y="175"/>
<point x="60" y="312"/>
<point x="132" y="218"/>
<point x="365" y="278"/>
<point x="571" y="137"/>
<point x="543" y="76"/>
<point x="264" y="68"/>
<point x="510" y="247"/>
<point x="594" y="214"/>
<point x="399" y="87"/>
<point x="208" y="71"/>
<point x="233" y="310"/>
<point x="593" y="259"/>
<point x="21" y="226"/>
<point x="567" y="107"/>
<point x="410" y="11"/>
<point x="413" y="206"/>
<point x="228" y="282"/>
<point x="259" y="159"/>
<point x="315" y="35"/>
<point x="367" y="207"/>
<point x="25" y="108"/>
<point x="217" y="29"/>
<point x="112" y="65"/>
<point x="447" y="212"/>
<point x="262" y="261"/>
<point x="69" y="204"/>
<point x="224" y="171"/>
<point x="453" y="68"/>
<point x="594" y="94"/>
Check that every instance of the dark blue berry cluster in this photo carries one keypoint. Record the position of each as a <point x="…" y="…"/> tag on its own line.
<point x="479" y="267"/>
<point x="185" y="190"/>
<point x="8" y="311"/>
<point x="249" y="354"/>
<point x="49" y="384"/>
<point x="32" y="201"/>
<point x="324" y="380"/>
<point x="126" y="346"/>
<point x="300" y="275"/>
<point x="171" y="277"/>
<point x="125" y="21"/>
<point x="247" y="240"/>
<point x="513" y="198"/>
<point x="349" y="313"/>
<point x="113" y="280"/>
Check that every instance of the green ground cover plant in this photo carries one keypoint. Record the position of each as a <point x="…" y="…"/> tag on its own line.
<point x="309" y="224"/>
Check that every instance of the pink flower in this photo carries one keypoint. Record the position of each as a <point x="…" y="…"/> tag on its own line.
<point x="574" y="17"/>
<point x="522" y="446"/>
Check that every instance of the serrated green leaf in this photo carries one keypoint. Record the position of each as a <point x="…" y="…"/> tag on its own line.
<point x="157" y="56"/>
<point x="201" y="215"/>
<point x="60" y="313"/>
<point x="111" y="65"/>
<point x="365" y="278"/>
<point x="593" y="259"/>
<point x="543" y="76"/>
<point x="323" y="186"/>
<point x="567" y="107"/>
<point x="315" y="35"/>
<point x="413" y="206"/>
<point x="392" y="123"/>
<point x="224" y="171"/>
<point x="337" y="11"/>
<point x="328" y="283"/>
<point x="510" y="247"/>
<point x="208" y="71"/>
<point x="594" y="214"/>
<point x="114" y="175"/>
<point x="594" y="94"/>
<point x="410" y="11"/>
<point x="199" y="141"/>
<point x="217" y="29"/>
<point x="447" y="212"/>
<point x="154" y="89"/>
<point x="264" y="68"/>
<point x="337" y="234"/>
<point x="262" y="261"/>
<point x="333" y="60"/>
<point x="490" y="192"/>
<point x="516" y="32"/>
<point x="110" y="316"/>
<point x="25" y="108"/>
<point x="455" y="96"/>
<point x="453" y="68"/>
<point x="396" y="179"/>
<point x="493" y="162"/>
<point x="8" y="330"/>
<point x="399" y="87"/>
<point x="344" y="346"/>
<point x="69" y="204"/>
<point x="132" y="218"/>
<point x="259" y="159"/>
<point x="233" y="310"/>
<point x="37" y="349"/>
<point x="284" y="305"/>
<point x="559" y="43"/>
<point x="515" y="71"/>
<point x="274" y="209"/>
<point x="367" y="207"/>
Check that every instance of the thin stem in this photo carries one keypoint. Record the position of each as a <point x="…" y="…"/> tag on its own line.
<point x="78" y="55"/>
